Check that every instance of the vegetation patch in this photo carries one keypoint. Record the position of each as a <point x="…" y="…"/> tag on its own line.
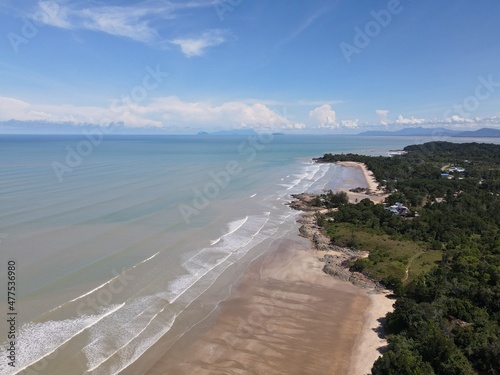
<point x="441" y="257"/>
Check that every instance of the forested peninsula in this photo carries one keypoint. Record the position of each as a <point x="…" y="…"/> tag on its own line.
<point x="435" y="243"/>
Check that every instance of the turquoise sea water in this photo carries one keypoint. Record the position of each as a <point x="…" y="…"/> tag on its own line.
<point x="125" y="242"/>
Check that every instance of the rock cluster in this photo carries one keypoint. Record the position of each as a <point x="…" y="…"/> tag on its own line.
<point x="337" y="260"/>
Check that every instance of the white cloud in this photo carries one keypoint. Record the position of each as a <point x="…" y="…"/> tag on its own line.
<point x="383" y="113"/>
<point x="173" y="112"/>
<point x="304" y="26"/>
<point x="133" y="21"/>
<point x="119" y="21"/>
<point x="456" y="121"/>
<point x="197" y="46"/>
<point x="324" y="116"/>
<point x="14" y="109"/>
<point x="409" y="121"/>
<point x="227" y="114"/>
<point x="351" y="124"/>
<point x="461" y="120"/>
<point x="11" y="108"/>
<point x="159" y="112"/>
<point x="53" y="14"/>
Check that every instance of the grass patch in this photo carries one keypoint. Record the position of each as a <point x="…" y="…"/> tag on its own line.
<point x="388" y="257"/>
<point x="423" y="263"/>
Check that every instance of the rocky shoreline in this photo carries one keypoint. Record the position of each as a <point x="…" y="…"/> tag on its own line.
<point x="337" y="260"/>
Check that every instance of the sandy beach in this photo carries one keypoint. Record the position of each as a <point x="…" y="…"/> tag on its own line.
<point x="367" y="347"/>
<point x="375" y="194"/>
<point x="286" y="316"/>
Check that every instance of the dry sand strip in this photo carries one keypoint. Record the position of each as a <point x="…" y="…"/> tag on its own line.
<point x="285" y="317"/>
<point x="371" y="340"/>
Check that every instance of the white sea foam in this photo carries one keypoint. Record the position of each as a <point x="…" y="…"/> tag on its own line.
<point x="294" y="183"/>
<point x="207" y="259"/>
<point x="131" y="330"/>
<point x="125" y="337"/>
<point x="148" y="259"/>
<point x="233" y="226"/>
<point x="39" y="340"/>
<point x="125" y="325"/>
<point x="104" y="284"/>
<point x="305" y="173"/>
<point x="324" y="170"/>
<point x="309" y="176"/>
<point x="131" y="352"/>
<point x="312" y="171"/>
<point x="179" y="286"/>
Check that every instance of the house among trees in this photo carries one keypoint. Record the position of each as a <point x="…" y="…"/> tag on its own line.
<point x="399" y="209"/>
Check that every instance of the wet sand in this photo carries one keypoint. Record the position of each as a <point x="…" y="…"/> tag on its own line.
<point x="370" y="179"/>
<point x="285" y="316"/>
<point x="375" y="194"/>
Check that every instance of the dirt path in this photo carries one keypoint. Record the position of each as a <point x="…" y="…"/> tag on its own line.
<point x="409" y="265"/>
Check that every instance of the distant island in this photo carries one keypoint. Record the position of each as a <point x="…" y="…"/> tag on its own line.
<point x="231" y="132"/>
<point x="235" y="132"/>
<point x="407" y="132"/>
<point x="429" y="132"/>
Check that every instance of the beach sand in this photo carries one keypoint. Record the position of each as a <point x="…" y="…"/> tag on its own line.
<point x="285" y="316"/>
<point x="371" y="339"/>
<point x="375" y="194"/>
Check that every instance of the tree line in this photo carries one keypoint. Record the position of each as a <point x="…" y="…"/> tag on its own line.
<point x="446" y="320"/>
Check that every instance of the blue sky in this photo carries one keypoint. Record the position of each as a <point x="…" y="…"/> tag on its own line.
<point x="294" y="66"/>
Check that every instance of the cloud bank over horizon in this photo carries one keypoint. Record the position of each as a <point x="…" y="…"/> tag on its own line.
<point x="200" y="65"/>
<point x="173" y="113"/>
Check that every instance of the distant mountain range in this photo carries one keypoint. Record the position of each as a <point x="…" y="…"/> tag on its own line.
<point x="429" y="132"/>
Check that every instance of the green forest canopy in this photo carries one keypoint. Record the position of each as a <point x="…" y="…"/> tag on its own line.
<point x="447" y="317"/>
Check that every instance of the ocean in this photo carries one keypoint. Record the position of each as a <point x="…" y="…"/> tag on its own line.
<point x="122" y="244"/>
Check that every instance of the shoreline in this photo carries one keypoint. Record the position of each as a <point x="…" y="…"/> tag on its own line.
<point x="373" y="192"/>
<point x="284" y="316"/>
<point x="336" y="261"/>
<point x="288" y="315"/>
<point x="371" y="339"/>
